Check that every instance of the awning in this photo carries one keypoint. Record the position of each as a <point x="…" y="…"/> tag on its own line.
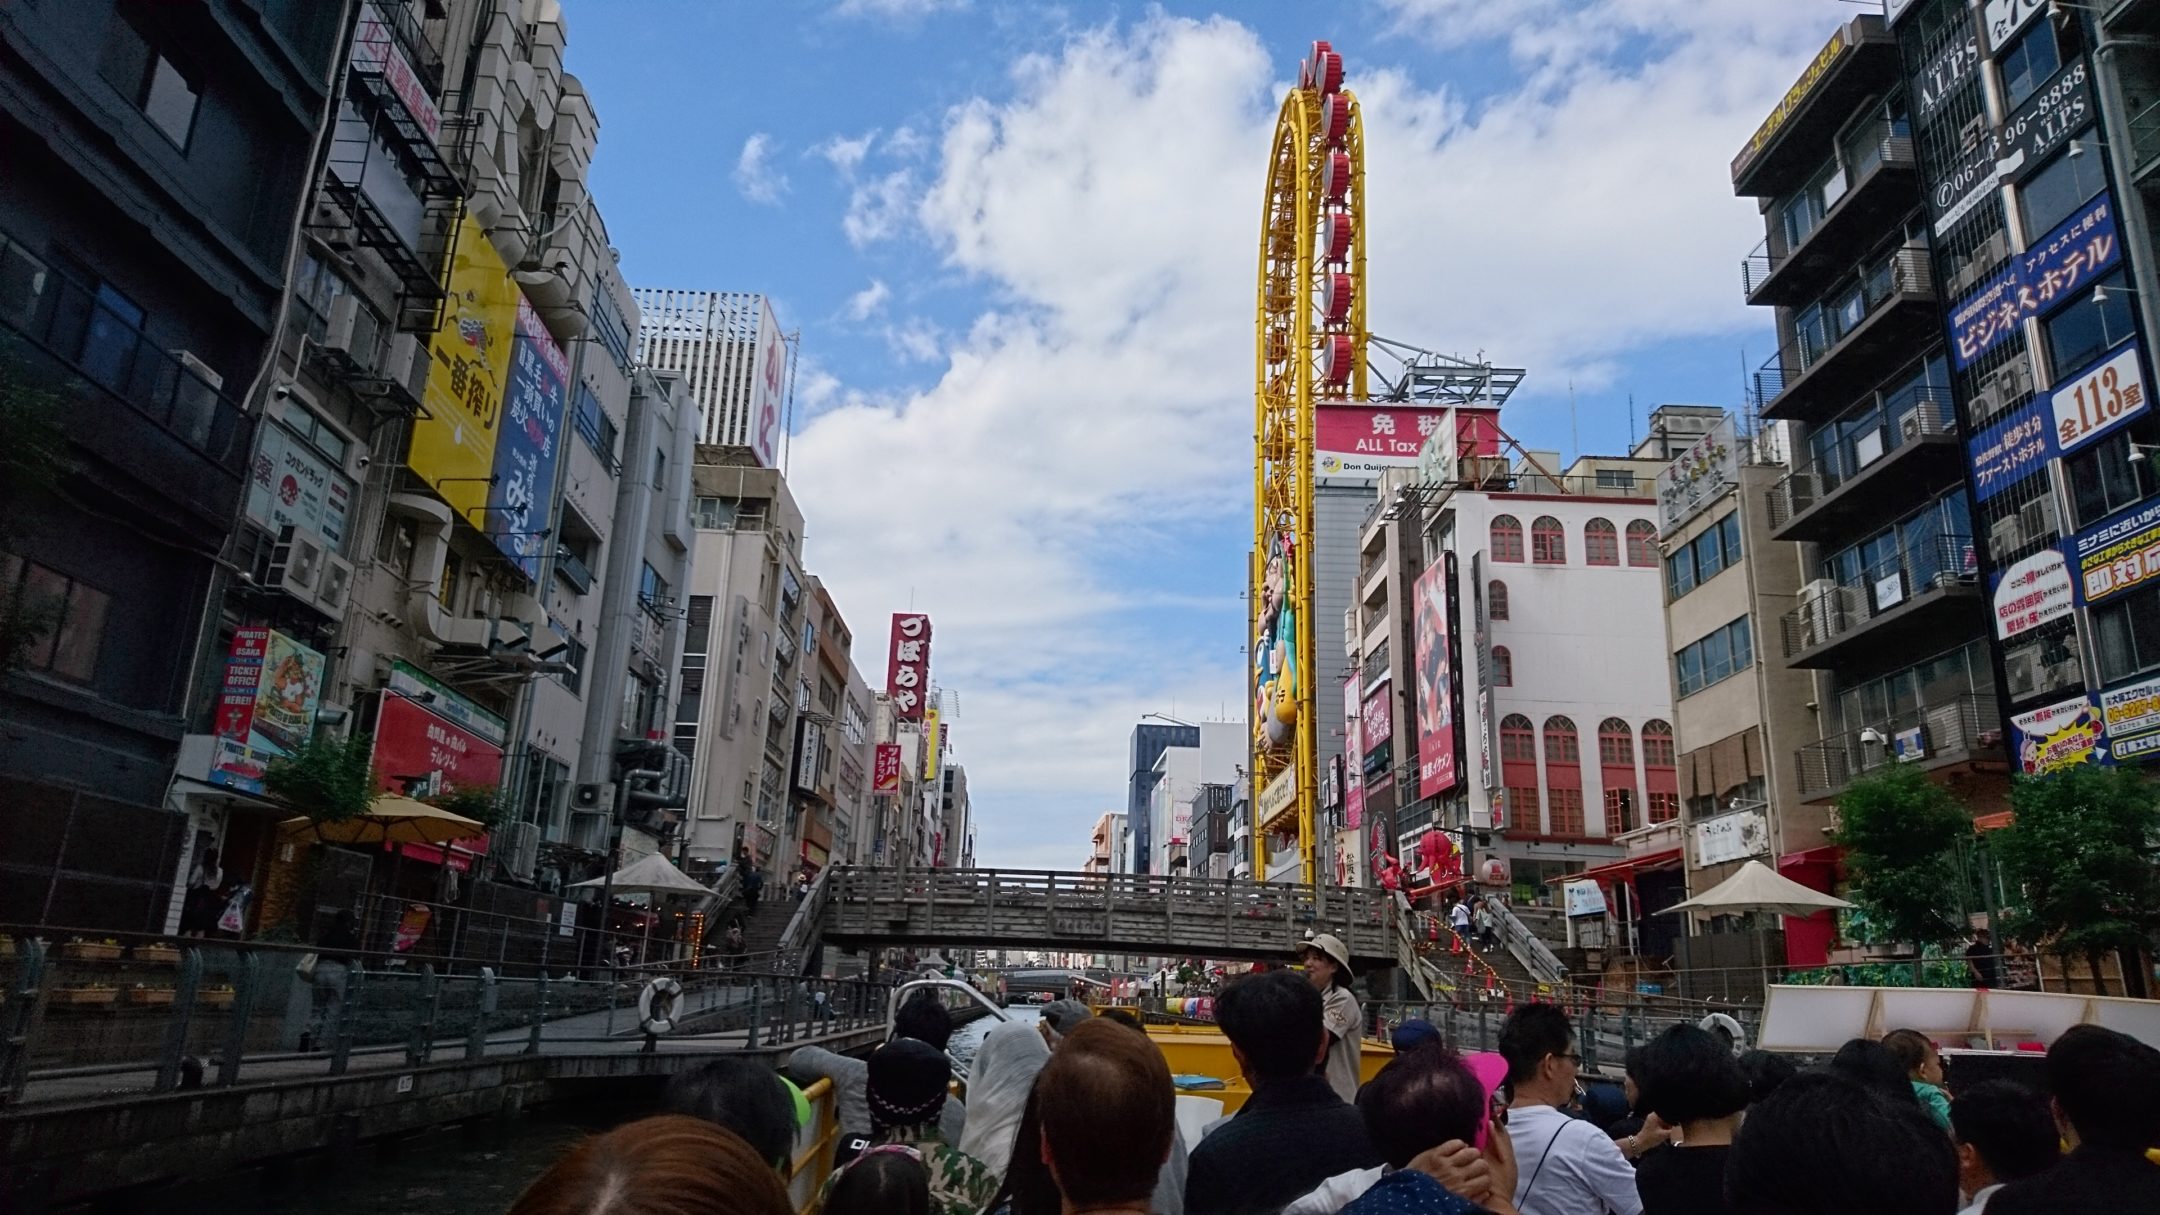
<point x="1996" y="821"/>
<point x="1621" y="870"/>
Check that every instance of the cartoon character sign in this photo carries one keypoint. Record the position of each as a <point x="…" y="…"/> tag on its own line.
<point x="1275" y="658"/>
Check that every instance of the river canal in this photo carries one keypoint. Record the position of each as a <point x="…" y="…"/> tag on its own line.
<point x="449" y="1172"/>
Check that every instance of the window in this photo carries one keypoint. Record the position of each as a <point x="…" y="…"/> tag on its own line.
<point x="2104" y="479"/>
<point x="72" y="616"/>
<point x="1567" y="812"/>
<point x="1506" y="538"/>
<point x="654" y="593"/>
<point x="574" y="657"/>
<point x="1561" y="746"/>
<point x="1619" y="811"/>
<point x="1616" y="478"/>
<point x="1799" y="214"/>
<point x="1615" y="744"/>
<point x="1503" y="667"/>
<point x="1704" y="557"/>
<point x="169" y="99"/>
<point x="712" y="514"/>
<point x="1642" y="544"/>
<point x="1496" y="600"/>
<point x="1680" y="572"/>
<point x="2127" y="634"/>
<point x="2027" y="63"/>
<point x="1548" y="541"/>
<point x="1715" y="658"/>
<point x="2082" y="331"/>
<point x="1515" y="740"/>
<point x="1601" y="542"/>
<point x="163" y="89"/>
<point x="1664" y="806"/>
<point x="1522" y="807"/>
<point x="595" y="427"/>
<point x="2049" y="196"/>
<point x="1657" y="745"/>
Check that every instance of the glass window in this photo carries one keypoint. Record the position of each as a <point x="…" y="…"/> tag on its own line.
<point x="2104" y="479"/>
<point x="1567" y="812"/>
<point x="1687" y="669"/>
<point x="1503" y="667"/>
<point x="2127" y="634"/>
<point x="1548" y="541"/>
<point x="1601" y="542"/>
<point x="1515" y="739"/>
<point x="2049" y="196"/>
<point x="1642" y="544"/>
<point x="1657" y="744"/>
<point x="72" y="615"/>
<point x="1496" y="606"/>
<point x="1616" y="744"/>
<point x="1680" y="571"/>
<point x="1728" y="530"/>
<point x="1507" y="538"/>
<point x="1713" y="659"/>
<point x="169" y="100"/>
<point x="2027" y="63"/>
<point x="1616" y="478"/>
<point x="2086" y="328"/>
<point x="1561" y="745"/>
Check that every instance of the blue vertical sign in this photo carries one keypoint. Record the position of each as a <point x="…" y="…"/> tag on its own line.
<point x="528" y="444"/>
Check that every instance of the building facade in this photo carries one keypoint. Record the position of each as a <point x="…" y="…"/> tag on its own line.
<point x="728" y="348"/>
<point x="1148" y="742"/>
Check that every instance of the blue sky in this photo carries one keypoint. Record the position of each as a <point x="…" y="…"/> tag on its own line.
<point x="1019" y="240"/>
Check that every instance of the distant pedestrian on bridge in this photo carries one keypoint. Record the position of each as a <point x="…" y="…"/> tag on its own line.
<point x="1327" y="966"/>
<point x="753" y="885"/>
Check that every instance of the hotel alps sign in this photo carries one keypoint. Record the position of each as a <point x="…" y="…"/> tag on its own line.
<point x="1837" y="48"/>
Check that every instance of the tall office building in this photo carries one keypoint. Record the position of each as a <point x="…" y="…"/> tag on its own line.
<point x="728" y="348"/>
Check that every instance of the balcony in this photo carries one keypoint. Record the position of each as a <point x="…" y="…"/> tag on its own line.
<point x="1885" y="188"/>
<point x="1799" y="144"/>
<point x="1956" y="729"/>
<point x="1929" y="590"/>
<point x="1889" y="313"/>
<point x="573" y="570"/>
<point x="1889" y="457"/>
<point x="155" y="415"/>
<point x="2131" y="16"/>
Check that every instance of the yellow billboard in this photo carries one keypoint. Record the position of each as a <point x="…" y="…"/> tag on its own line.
<point x="931" y="746"/>
<point x="453" y="443"/>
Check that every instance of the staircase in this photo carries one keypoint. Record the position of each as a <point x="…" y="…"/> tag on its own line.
<point x="761" y="932"/>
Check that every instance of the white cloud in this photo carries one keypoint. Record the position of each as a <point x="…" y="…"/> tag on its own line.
<point x="1098" y="416"/>
<point x="918" y="340"/>
<point x="845" y="154"/>
<point x="866" y="303"/>
<point x="898" y="10"/>
<point x="755" y="175"/>
<point x="877" y="209"/>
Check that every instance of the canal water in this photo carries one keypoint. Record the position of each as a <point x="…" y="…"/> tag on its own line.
<point x="448" y="1171"/>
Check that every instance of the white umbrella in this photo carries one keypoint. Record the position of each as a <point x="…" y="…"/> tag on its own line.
<point x="649" y="874"/>
<point x="1757" y="887"/>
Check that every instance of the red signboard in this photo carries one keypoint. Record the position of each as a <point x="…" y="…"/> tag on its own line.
<point x="1435" y="684"/>
<point x="907" y="666"/>
<point x="418" y="751"/>
<point x="1377" y="722"/>
<point x="1353" y="759"/>
<point x="885" y="769"/>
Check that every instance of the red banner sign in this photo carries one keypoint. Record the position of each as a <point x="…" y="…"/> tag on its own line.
<point x="885" y="769"/>
<point x="420" y="753"/>
<point x="1435" y="684"/>
<point x="907" y="666"/>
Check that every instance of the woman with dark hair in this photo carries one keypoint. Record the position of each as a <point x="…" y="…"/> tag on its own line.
<point x="659" y="1166"/>
<point x="1690" y="1080"/>
<point x="1916" y="1053"/>
<point x="1327" y="967"/>
<point x="1872" y="1064"/>
<point x="888" y="1180"/>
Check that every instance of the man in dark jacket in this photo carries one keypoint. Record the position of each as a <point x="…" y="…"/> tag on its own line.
<point x="2102" y="1084"/>
<point x="1294" y="1132"/>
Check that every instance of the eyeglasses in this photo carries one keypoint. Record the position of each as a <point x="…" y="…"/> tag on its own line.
<point x="1570" y="1056"/>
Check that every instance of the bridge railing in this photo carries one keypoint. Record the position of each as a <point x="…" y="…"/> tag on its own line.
<point x="127" y="1014"/>
<point x="1171" y="912"/>
<point x="1606" y="1033"/>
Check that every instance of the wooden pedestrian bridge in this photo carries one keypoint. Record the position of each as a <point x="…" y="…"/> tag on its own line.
<point x="1114" y="913"/>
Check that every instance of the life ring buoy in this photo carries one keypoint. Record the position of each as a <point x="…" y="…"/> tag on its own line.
<point x="1720" y="1023"/>
<point x="658" y="1004"/>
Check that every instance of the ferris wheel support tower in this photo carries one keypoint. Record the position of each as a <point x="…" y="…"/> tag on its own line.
<point x="1309" y="346"/>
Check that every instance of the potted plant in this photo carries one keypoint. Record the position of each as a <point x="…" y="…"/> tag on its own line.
<point x="220" y="996"/>
<point x="79" y="950"/>
<point x="158" y="952"/>
<point x="85" y="994"/>
<point x="144" y="994"/>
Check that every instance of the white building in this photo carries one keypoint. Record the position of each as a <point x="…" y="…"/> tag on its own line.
<point x="728" y="347"/>
<point x="1218" y="760"/>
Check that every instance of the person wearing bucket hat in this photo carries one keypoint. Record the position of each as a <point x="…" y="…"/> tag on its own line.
<point x="907" y="1092"/>
<point x="1327" y="967"/>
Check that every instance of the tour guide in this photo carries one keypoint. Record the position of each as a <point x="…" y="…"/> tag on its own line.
<point x="1327" y="966"/>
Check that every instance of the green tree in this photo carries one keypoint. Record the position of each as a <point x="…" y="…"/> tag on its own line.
<point x="1900" y="832"/>
<point x="2080" y="850"/>
<point x="329" y="778"/>
<point x="481" y="803"/>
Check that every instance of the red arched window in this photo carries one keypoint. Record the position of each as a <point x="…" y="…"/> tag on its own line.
<point x="1642" y="543"/>
<point x="1661" y="777"/>
<point x="1496" y="600"/>
<point x="1548" y="541"/>
<point x="1563" y="776"/>
<point x="1518" y="774"/>
<point x="1601" y="542"/>
<point x="1503" y="667"/>
<point x="1616" y="772"/>
<point x="1506" y="538"/>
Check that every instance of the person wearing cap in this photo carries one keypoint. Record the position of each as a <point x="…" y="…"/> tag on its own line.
<point x="1414" y="1033"/>
<point x="1327" y="967"/>
<point x="1061" y="1017"/>
<point x="907" y="1092"/>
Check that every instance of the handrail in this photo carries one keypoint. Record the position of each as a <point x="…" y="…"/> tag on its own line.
<point x="1919" y="412"/>
<point x="1527" y="947"/>
<point x="800" y="934"/>
<point x="1937" y="563"/>
<point x="1953" y="725"/>
<point x="1903" y="271"/>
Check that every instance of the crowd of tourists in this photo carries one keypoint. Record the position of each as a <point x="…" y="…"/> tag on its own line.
<point x="1078" y="1114"/>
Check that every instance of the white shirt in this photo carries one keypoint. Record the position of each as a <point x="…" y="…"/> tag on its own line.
<point x="1980" y="1199"/>
<point x="1459" y="915"/>
<point x="1339" y="1013"/>
<point x="1336" y="1192"/>
<point x="1565" y="1166"/>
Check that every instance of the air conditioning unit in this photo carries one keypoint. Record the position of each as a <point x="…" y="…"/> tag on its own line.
<point x="1986" y="403"/>
<point x="516" y="847"/>
<point x="2021" y="670"/>
<point x="597" y="798"/>
<point x="2009" y="382"/>
<point x="296" y="563"/>
<point x="1984" y="259"/>
<point x="1908" y="426"/>
<point x="2063" y="674"/>
<point x="342" y="329"/>
<point x="588" y="830"/>
<point x="406" y="368"/>
<point x="336" y="589"/>
<point x="2005" y="535"/>
<point x="2038" y="517"/>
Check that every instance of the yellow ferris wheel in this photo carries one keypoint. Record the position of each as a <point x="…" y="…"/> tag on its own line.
<point x="1309" y="330"/>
